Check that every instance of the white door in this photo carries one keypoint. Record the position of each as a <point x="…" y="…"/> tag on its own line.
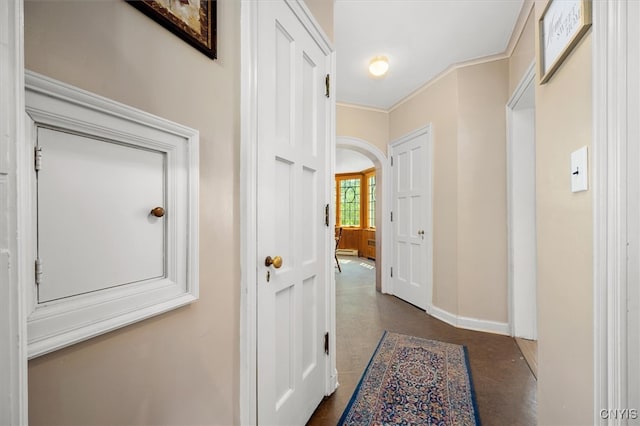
<point x="293" y="188"/>
<point x="411" y="273"/>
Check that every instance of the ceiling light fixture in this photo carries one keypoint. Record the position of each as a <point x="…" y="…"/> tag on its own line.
<point x="379" y="66"/>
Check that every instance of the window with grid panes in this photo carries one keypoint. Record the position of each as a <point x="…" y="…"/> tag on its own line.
<point x="371" y="201"/>
<point x="350" y="202"/>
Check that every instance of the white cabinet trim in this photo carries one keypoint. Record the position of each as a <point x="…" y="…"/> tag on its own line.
<point x="56" y="324"/>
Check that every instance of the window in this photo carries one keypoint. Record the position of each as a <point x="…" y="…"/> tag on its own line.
<point x="356" y="199"/>
<point x="350" y="202"/>
<point x="371" y="199"/>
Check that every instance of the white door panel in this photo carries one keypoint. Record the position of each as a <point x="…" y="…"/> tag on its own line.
<point x="95" y="230"/>
<point x="292" y="186"/>
<point x="412" y="219"/>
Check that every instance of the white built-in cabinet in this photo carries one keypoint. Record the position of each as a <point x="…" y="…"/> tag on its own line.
<point x="114" y="217"/>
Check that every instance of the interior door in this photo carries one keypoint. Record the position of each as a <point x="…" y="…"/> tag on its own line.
<point x="412" y="234"/>
<point x="293" y="188"/>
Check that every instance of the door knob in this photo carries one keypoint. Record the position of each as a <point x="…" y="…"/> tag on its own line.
<point x="157" y="212"/>
<point x="421" y="232"/>
<point x="276" y="261"/>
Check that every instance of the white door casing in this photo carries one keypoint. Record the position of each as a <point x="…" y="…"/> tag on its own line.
<point x="521" y="197"/>
<point x="13" y="322"/>
<point x="383" y="226"/>
<point x="412" y="271"/>
<point x="633" y="212"/>
<point x="616" y="212"/>
<point x="290" y="145"/>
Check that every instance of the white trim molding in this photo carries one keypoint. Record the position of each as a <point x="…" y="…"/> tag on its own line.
<point x="468" y="323"/>
<point x="383" y="232"/>
<point x="13" y="324"/>
<point x="610" y="142"/>
<point x="526" y="83"/>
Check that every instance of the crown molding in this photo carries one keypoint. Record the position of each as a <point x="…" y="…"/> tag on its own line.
<point x="362" y="107"/>
<point x="450" y="68"/>
<point x="518" y="28"/>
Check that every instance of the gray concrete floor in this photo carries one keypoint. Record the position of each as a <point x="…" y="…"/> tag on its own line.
<point x="505" y="387"/>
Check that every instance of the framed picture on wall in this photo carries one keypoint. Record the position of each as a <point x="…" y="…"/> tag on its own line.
<point x="194" y="21"/>
<point x="561" y="26"/>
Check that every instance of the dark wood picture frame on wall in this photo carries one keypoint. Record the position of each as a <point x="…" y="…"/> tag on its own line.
<point x="194" y="21"/>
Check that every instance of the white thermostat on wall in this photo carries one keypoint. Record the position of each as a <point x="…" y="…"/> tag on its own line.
<point x="579" y="170"/>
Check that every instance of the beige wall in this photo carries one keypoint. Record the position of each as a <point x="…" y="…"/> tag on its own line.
<point x="323" y="13"/>
<point x="466" y="110"/>
<point x="181" y="367"/>
<point x="482" y="198"/>
<point x="367" y="124"/>
<point x="438" y="105"/>
<point x="565" y="241"/>
<point x="523" y="53"/>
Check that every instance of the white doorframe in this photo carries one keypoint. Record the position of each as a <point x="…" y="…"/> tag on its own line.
<point x="248" y="204"/>
<point x="428" y="206"/>
<point x="383" y="207"/>
<point x="519" y="302"/>
<point x="13" y="320"/>
<point x="610" y="142"/>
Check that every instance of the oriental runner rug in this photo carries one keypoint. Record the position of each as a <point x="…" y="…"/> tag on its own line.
<point x="414" y="381"/>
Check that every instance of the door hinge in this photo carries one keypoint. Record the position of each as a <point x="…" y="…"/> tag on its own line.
<point x="392" y="272"/>
<point x="327" y="85"/>
<point x="37" y="158"/>
<point x="391" y="161"/>
<point x="326" y="215"/>
<point x="391" y="216"/>
<point x="326" y="343"/>
<point x="38" y="265"/>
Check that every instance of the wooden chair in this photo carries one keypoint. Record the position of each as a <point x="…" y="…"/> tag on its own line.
<point x="335" y="253"/>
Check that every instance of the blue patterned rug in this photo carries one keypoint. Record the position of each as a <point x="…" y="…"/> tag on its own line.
<point x="413" y="381"/>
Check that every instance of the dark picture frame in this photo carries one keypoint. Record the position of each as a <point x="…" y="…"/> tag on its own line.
<point x="201" y="35"/>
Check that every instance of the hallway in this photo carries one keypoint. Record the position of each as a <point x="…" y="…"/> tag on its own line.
<point x="505" y="387"/>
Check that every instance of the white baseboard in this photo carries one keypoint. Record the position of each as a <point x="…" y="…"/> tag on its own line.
<point x="469" y="323"/>
<point x="333" y="383"/>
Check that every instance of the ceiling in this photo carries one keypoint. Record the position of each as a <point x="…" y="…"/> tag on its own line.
<point x="348" y="161"/>
<point x="421" y="38"/>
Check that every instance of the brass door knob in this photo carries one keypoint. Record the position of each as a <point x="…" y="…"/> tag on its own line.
<point x="158" y="212"/>
<point x="276" y="261"/>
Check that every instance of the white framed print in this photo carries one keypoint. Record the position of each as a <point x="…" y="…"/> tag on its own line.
<point x="561" y="26"/>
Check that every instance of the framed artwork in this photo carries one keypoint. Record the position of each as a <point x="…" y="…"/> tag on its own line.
<point x="194" y="21"/>
<point x="561" y="26"/>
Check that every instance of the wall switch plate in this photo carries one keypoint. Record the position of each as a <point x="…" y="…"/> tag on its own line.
<point x="579" y="170"/>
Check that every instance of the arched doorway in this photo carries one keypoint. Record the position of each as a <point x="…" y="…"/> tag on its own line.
<point x="382" y="208"/>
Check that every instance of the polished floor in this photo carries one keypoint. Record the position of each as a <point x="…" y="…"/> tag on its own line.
<point x="505" y="387"/>
<point x="529" y="349"/>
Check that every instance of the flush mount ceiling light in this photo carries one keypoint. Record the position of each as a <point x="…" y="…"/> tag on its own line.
<point x="379" y="66"/>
